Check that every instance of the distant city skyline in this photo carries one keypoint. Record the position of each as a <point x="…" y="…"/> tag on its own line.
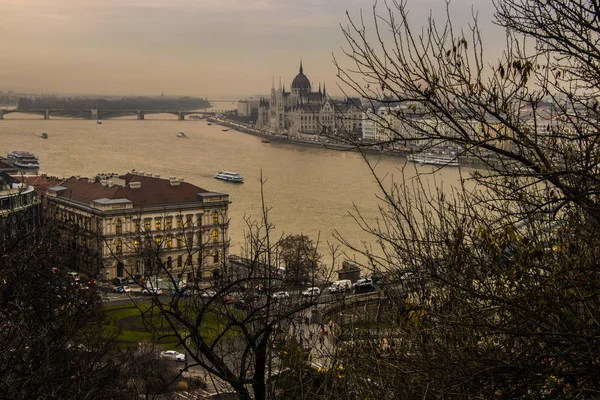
<point x="204" y="48"/>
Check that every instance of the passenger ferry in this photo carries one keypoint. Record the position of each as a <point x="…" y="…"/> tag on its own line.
<point x="229" y="177"/>
<point x="23" y="159"/>
<point x="442" y="160"/>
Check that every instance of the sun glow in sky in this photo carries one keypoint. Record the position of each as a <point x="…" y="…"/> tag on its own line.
<point x="212" y="48"/>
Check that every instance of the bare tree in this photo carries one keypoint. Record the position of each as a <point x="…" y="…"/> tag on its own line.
<point x="495" y="284"/>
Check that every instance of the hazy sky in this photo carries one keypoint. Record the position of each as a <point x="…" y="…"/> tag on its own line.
<point x="212" y="48"/>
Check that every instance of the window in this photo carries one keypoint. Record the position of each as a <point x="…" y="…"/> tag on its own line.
<point x="179" y="222"/>
<point x="169" y="242"/>
<point x="180" y="241"/>
<point x="215" y="236"/>
<point x="136" y="244"/>
<point x="157" y="223"/>
<point x="118" y="246"/>
<point x="158" y="240"/>
<point x="169" y="223"/>
<point x="118" y="226"/>
<point x="215" y="218"/>
<point x="215" y="257"/>
<point x="179" y="262"/>
<point x="148" y="224"/>
<point x="199" y="220"/>
<point x="136" y="225"/>
<point x="169" y="262"/>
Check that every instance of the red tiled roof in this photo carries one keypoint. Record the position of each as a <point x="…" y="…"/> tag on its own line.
<point x="153" y="191"/>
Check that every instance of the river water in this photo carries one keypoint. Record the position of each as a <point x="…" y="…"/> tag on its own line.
<point x="309" y="190"/>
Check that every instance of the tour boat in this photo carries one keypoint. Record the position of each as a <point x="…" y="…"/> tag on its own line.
<point x="229" y="177"/>
<point x="442" y="160"/>
<point x="23" y="159"/>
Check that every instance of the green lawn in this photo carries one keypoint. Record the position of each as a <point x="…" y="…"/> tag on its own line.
<point x="134" y="328"/>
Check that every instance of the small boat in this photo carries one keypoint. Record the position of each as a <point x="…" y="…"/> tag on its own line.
<point x="208" y="123"/>
<point x="99" y="122"/>
<point x="181" y="134"/>
<point x="266" y="141"/>
<point x="23" y="159"/>
<point x="442" y="160"/>
<point x="229" y="177"/>
<point x="224" y="130"/>
<point x="44" y="135"/>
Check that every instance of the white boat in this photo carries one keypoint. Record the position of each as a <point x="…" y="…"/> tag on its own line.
<point x="229" y="177"/>
<point x="442" y="160"/>
<point x="23" y="159"/>
<point x="99" y="122"/>
<point x="181" y="134"/>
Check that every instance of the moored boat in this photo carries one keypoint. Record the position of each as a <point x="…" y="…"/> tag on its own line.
<point x="99" y="122"/>
<point x="23" y="159"/>
<point x="229" y="177"/>
<point x="44" y="135"/>
<point x="441" y="160"/>
<point x="266" y="141"/>
<point x="181" y="134"/>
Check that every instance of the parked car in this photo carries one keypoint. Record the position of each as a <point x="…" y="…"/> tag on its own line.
<point x="281" y="295"/>
<point x="208" y="294"/>
<point x="311" y="291"/>
<point x="155" y="291"/>
<point x="122" y="289"/>
<point x="181" y="292"/>
<point x="173" y="355"/>
<point x="365" y="281"/>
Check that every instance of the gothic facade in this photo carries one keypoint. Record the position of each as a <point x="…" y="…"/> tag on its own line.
<point x="303" y="111"/>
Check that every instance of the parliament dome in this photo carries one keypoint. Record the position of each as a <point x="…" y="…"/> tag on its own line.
<point x="301" y="82"/>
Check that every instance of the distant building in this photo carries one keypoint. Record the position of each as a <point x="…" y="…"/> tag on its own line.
<point x="248" y="107"/>
<point x="19" y="210"/>
<point x="302" y="111"/>
<point x="137" y="223"/>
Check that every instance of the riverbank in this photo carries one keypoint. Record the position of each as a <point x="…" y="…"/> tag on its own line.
<point x="365" y="149"/>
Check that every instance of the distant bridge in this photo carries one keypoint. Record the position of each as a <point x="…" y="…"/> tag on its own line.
<point x="96" y="113"/>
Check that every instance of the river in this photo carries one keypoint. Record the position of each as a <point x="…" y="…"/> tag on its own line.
<point x="308" y="190"/>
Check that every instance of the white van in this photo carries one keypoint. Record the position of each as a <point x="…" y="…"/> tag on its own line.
<point x="340" y="286"/>
<point x="311" y="291"/>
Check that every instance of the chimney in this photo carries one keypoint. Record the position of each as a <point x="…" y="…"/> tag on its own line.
<point x="140" y="173"/>
<point x="77" y="177"/>
<point x="173" y="181"/>
<point x="156" y="175"/>
<point x="135" y="185"/>
<point x="180" y="179"/>
<point x="91" y="180"/>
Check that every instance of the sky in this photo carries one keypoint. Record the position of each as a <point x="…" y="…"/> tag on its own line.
<point x="205" y="48"/>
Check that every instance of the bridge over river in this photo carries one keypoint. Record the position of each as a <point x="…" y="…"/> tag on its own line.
<point x="96" y="113"/>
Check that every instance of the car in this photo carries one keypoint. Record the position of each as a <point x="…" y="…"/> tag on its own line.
<point x="122" y="289"/>
<point x="181" y="292"/>
<point x="155" y="291"/>
<point x="311" y="291"/>
<point x="74" y="275"/>
<point x="280" y="295"/>
<point x="172" y="355"/>
<point x="208" y="294"/>
<point x="365" y="281"/>
<point x="91" y="282"/>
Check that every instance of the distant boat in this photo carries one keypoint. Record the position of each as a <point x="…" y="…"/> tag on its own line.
<point x="44" y="135"/>
<point x="266" y="141"/>
<point x="23" y="159"/>
<point x="208" y="123"/>
<point x="229" y="177"/>
<point x="224" y="130"/>
<point x="181" y="134"/>
<point x="443" y="160"/>
<point x="99" y="122"/>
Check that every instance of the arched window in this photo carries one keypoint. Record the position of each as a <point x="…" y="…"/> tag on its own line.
<point x="179" y="261"/>
<point x="169" y="242"/>
<point x="118" y="226"/>
<point x="215" y="218"/>
<point x="216" y="257"/>
<point x="215" y="235"/>
<point x="118" y="246"/>
<point x="158" y="240"/>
